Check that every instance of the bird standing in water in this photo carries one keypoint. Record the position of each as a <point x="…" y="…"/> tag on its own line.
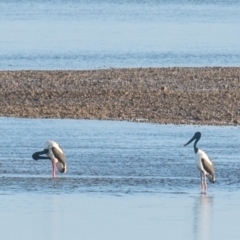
<point x="55" y="153"/>
<point x="203" y="162"/>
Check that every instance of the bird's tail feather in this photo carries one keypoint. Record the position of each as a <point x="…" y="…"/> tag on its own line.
<point x="211" y="178"/>
<point x="62" y="168"/>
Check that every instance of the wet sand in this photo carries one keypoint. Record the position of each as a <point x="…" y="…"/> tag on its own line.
<point x="160" y="95"/>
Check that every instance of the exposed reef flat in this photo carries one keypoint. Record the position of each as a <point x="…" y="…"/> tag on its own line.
<point x="208" y="95"/>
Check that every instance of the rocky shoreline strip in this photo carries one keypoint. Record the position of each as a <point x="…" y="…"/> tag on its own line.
<point x="209" y="95"/>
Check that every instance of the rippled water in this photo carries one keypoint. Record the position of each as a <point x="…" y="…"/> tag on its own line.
<point x="114" y="157"/>
<point x="125" y="181"/>
<point x="90" y="34"/>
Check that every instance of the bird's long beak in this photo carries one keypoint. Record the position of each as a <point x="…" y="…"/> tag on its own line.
<point x="193" y="138"/>
<point x="37" y="155"/>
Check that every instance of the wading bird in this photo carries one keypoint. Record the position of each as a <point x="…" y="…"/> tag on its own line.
<point x="204" y="164"/>
<point x="55" y="153"/>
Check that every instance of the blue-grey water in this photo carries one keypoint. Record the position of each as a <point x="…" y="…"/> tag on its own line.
<point x="93" y="34"/>
<point x="125" y="181"/>
<point x="114" y="157"/>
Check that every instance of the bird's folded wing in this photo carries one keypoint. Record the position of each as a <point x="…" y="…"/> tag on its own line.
<point x="59" y="155"/>
<point x="208" y="166"/>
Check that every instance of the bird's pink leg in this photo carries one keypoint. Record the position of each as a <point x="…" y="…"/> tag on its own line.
<point x="203" y="187"/>
<point x="205" y="183"/>
<point x="201" y="182"/>
<point x="53" y="169"/>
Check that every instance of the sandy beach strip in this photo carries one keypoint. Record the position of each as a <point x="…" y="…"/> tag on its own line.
<point x="208" y="95"/>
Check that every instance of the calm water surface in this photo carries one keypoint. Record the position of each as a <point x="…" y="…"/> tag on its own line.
<point x="168" y="216"/>
<point x="90" y="34"/>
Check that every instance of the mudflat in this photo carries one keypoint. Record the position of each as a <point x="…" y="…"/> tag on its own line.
<point x="208" y="95"/>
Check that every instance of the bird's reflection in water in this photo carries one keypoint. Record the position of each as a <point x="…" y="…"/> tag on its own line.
<point x="203" y="209"/>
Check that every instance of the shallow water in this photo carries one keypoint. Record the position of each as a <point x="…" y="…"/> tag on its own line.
<point x="90" y="34"/>
<point x="114" y="157"/>
<point x="161" y="216"/>
<point x="125" y="181"/>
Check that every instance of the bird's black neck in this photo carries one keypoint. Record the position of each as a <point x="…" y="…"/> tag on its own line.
<point x="195" y="146"/>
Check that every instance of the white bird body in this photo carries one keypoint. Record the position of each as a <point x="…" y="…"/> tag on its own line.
<point x="203" y="163"/>
<point x="50" y="145"/>
<point x="55" y="154"/>
<point x="198" y="160"/>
